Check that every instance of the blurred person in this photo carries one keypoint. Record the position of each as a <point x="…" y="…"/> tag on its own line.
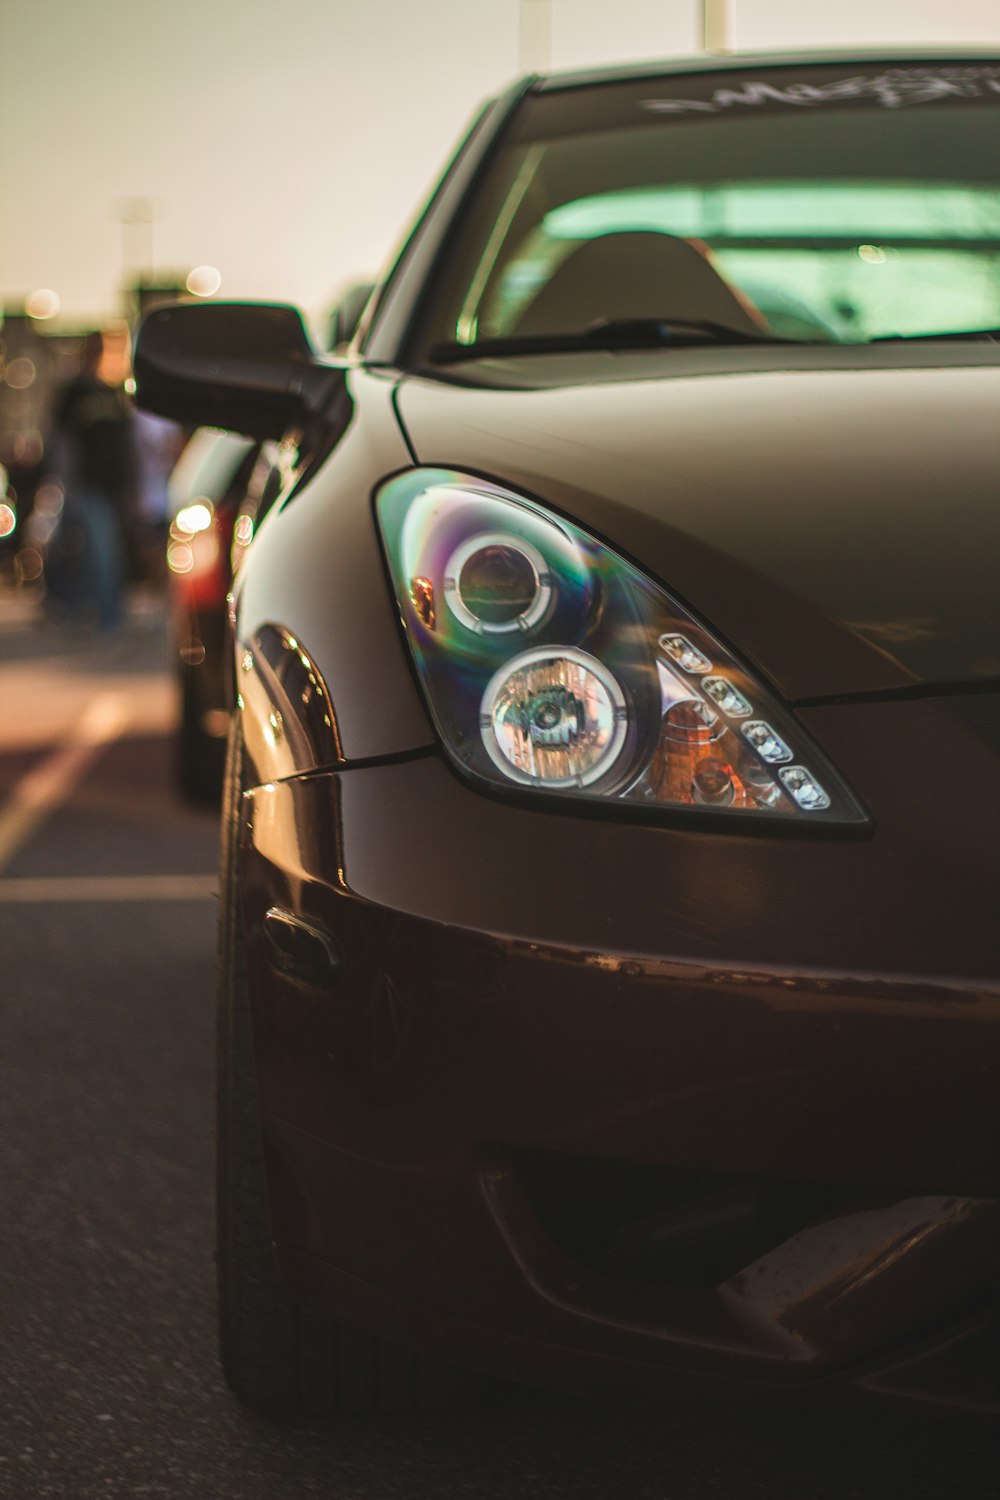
<point x="93" y="452"/>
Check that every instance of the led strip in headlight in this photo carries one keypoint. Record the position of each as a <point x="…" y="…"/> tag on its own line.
<point x="550" y="663"/>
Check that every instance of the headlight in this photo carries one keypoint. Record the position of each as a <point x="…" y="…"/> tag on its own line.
<point x="551" y="664"/>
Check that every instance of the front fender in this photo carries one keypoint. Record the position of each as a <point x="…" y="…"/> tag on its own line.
<point x="321" y="673"/>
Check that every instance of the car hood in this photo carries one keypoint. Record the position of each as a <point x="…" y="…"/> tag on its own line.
<point x="837" y="522"/>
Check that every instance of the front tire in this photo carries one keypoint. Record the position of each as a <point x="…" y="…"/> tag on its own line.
<point x="278" y="1357"/>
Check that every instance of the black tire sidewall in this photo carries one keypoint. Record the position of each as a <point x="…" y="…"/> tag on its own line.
<point x="258" y="1319"/>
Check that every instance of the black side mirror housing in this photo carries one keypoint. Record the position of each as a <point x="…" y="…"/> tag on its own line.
<point x="247" y="367"/>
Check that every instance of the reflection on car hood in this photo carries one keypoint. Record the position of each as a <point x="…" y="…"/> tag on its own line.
<point x="840" y="525"/>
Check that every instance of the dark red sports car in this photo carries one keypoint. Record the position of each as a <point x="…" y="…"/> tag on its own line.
<point x="610" y="976"/>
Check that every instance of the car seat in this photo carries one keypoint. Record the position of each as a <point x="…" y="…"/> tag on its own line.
<point x="636" y="274"/>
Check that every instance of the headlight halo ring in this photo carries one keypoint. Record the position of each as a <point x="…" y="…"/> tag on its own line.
<point x="541" y="572"/>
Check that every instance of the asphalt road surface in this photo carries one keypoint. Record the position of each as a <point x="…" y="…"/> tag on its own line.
<point x="108" y="1378"/>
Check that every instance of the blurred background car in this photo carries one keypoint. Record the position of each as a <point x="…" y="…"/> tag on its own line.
<point x="220" y="487"/>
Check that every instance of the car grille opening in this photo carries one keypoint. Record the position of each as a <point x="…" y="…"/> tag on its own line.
<point x="648" y="1223"/>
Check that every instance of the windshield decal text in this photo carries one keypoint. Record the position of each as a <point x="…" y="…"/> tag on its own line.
<point x="894" y="89"/>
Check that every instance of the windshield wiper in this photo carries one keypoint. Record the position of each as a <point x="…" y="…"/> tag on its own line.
<point x="980" y="335"/>
<point x="608" y="334"/>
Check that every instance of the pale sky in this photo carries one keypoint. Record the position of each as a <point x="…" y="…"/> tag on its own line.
<point x="288" y="142"/>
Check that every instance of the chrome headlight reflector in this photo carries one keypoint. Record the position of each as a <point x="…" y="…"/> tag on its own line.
<point x="550" y="663"/>
<point x="553" y="718"/>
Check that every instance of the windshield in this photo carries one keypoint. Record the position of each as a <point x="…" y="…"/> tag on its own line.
<point x="829" y="204"/>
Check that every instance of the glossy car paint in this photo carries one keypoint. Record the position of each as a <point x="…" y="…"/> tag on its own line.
<point x="820" y="557"/>
<point x="322" y="563"/>
<point x="501" y="1017"/>
<point x="474" y="1014"/>
<point x="759" y="1009"/>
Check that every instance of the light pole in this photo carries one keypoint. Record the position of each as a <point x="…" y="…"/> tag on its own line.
<point x="715" y="26"/>
<point x="137" y="217"/>
<point x="535" y="36"/>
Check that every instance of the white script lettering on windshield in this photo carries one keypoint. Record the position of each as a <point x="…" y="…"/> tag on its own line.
<point x="893" y="90"/>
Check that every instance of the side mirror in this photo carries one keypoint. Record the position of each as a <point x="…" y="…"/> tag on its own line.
<point x="244" y="366"/>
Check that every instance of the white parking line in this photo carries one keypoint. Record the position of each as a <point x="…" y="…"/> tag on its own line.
<point x="43" y="890"/>
<point x="41" y="791"/>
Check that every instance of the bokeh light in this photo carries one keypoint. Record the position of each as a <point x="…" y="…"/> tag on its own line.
<point x="203" y="281"/>
<point x="42" y="304"/>
<point x="21" y="373"/>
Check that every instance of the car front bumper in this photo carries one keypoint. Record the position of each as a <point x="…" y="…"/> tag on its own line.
<point x="586" y="1100"/>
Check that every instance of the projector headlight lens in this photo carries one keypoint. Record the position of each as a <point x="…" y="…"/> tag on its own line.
<point x="497" y="584"/>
